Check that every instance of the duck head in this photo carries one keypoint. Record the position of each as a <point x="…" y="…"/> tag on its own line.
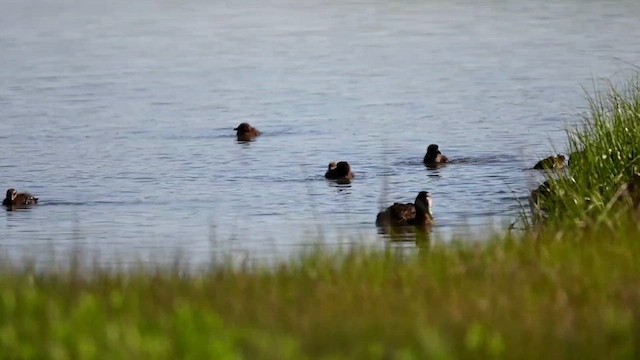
<point x="11" y="194"/>
<point x="424" y="203"/>
<point x="343" y="168"/>
<point x="433" y="156"/>
<point x="433" y="150"/>
<point x="560" y="159"/>
<point x="243" y="128"/>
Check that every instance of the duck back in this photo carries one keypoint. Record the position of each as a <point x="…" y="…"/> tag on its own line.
<point x="397" y="215"/>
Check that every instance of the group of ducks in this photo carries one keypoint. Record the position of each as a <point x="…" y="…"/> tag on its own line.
<point x="15" y="200"/>
<point x="418" y="214"/>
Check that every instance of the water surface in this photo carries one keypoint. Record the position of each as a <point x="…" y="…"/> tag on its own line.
<point x="119" y="116"/>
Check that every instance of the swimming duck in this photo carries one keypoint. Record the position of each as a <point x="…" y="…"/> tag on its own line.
<point x="434" y="157"/>
<point x="416" y="214"/>
<point x="246" y="132"/>
<point x="18" y="200"/>
<point x="339" y="171"/>
<point x="552" y="162"/>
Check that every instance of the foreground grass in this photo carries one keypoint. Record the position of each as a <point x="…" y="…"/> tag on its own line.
<point x="554" y="296"/>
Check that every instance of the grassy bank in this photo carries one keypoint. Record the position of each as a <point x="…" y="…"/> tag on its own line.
<point x="605" y="155"/>
<point x="559" y="295"/>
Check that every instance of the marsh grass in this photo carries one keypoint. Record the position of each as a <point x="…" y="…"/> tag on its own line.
<point x="604" y="155"/>
<point x="556" y="295"/>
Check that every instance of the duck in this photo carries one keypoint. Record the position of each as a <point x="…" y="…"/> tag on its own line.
<point x="434" y="156"/>
<point x="339" y="171"/>
<point x="538" y="197"/>
<point x="246" y="132"/>
<point x="631" y="191"/>
<point x="552" y="162"/>
<point x="416" y="214"/>
<point x="18" y="200"/>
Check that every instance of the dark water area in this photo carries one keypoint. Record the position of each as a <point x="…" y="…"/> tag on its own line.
<point x="119" y="116"/>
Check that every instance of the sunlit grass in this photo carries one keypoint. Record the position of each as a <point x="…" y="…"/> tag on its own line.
<point x="605" y="152"/>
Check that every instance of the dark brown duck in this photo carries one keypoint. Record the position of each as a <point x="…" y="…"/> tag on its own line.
<point x="538" y="197"/>
<point x="339" y="171"/>
<point x="552" y="162"/>
<point x="416" y="214"/>
<point x="434" y="157"/>
<point x="246" y="132"/>
<point x="631" y="191"/>
<point x="15" y="199"/>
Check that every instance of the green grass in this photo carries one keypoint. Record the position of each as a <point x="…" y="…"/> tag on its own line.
<point x="606" y="148"/>
<point x="555" y="295"/>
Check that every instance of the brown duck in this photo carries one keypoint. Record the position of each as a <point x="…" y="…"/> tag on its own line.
<point x="339" y="171"/>
<point x="246" y="132"/>
<point x="538" y="197"/>
<point x="18" y="200"/>
<point x="416" y="214"/>
<point x="552" y="162"/>
<point x="631" y="190"/>
<point x="434" y="157"/>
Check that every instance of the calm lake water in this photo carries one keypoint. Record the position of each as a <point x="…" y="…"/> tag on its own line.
<point x="119" y="116"/>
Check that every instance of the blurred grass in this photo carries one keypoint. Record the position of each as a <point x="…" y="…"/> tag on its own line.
<point x="554" y="294"/>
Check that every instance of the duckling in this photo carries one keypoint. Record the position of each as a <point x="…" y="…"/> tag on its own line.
<point x="434" y="157"/>
<point x="18" y="200"/>
<point x="246" y="132"/>
<point x="339" y="171"/>
<point x="416" y="214"/>
<point x="552" y="162"/>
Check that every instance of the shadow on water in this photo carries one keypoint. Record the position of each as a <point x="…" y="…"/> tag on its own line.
<point x="435" y="166"/>
<point x="99" y="203"/>
<point x="421" y="238"/>
<point x="14" y="209"/>
<point x="245" y="143"/>
<point x="340" y="183"/>
<point x="482" y="159"/>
